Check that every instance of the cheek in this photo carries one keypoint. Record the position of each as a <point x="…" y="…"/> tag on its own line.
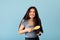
<point x="34" y="14"/>
<point x="30" y="15"/>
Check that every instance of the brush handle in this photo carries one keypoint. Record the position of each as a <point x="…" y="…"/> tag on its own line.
<point x="36" y="27"/>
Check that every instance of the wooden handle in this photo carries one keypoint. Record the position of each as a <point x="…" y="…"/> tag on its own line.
<point x="36" y="27"/>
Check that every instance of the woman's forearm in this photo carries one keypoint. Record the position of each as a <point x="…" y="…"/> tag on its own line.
<point x="21" y="31"/>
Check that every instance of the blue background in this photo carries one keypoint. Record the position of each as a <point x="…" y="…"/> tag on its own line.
<point x="12" y="11"/>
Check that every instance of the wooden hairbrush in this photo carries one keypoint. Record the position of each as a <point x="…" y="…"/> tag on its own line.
<point x="36" y="27"/>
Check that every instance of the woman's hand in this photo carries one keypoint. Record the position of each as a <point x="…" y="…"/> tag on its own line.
<point x="28" y="29"/>
<point x="39" y="33"/>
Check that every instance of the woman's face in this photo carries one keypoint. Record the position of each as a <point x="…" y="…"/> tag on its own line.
<point x="32" y="13"/>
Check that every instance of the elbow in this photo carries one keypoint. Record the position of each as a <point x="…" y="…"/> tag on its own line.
<point x="19" y="32"/>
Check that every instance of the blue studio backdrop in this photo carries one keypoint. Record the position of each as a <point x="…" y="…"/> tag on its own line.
<point x="12" y="11"/>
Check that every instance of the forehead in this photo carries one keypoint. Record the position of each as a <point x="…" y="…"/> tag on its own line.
<point x="32" y="9"/>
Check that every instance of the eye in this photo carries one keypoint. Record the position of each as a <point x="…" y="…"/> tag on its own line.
<point x="33" y="11"/>
<point x="30" y="11"/>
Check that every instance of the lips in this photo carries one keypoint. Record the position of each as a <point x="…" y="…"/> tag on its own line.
<point x="31" y="15"/>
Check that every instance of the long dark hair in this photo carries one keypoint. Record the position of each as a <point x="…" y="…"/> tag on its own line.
<point x="37" y="20"/>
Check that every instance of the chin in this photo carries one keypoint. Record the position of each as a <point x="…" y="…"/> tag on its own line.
<point x="31" y="16"/>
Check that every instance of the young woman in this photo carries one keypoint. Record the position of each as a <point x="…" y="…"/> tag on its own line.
<point x="29" y="21"/>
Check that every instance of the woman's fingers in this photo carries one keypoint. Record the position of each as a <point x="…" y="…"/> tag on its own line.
<point x="29" y="29"/>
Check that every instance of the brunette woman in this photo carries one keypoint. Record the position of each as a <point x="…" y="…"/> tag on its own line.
<point x="29" y="21"/>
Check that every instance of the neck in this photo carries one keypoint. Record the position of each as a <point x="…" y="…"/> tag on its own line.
<point x="31" y="19"/>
